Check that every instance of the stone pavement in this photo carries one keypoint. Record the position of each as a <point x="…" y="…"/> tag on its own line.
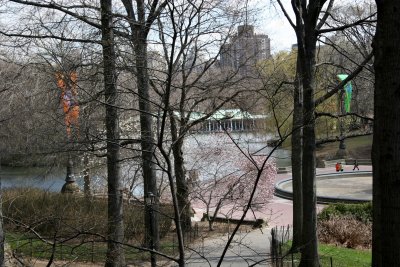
<point x="246" y="249"/>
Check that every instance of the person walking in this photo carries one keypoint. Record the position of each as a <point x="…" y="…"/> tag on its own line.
<point x="356" y="165"/>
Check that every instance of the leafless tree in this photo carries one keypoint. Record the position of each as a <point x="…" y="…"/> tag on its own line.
<point x="309" y="23"/>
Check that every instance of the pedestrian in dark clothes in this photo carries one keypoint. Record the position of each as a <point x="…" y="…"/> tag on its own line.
<point x="356" y="165"/>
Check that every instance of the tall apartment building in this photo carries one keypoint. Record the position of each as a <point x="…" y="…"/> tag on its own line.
<point x="245" y="49"/>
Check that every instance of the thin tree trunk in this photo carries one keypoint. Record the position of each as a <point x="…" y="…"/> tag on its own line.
<point x="115" y="254"/>
<point x="182" y="189"/>
<point x="386" y="139"/>
<point x="86" y="177"/>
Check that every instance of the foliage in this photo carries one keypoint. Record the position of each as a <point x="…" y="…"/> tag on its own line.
<point x="53" y="214"/>
<point x="277" y="75"/>
<point x="360" y="212"/>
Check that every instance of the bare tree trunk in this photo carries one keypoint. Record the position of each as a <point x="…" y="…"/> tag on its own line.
<point x="386" y="139"/>
<point x="147" y="141"/>
<point x="2" y="234"/>
<point x="307" y="47"/>
<point x="86" y="177"/>
<point x="140" y="27"/>
<point x="296" y="162"/>
<point x="182" y="189"/>
<point x="115" y="253"/>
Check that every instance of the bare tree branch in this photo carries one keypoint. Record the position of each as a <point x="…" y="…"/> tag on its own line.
<point x="343" y="83"/>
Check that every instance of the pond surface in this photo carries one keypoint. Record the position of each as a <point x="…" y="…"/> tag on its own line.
<point x="53" y="178"/>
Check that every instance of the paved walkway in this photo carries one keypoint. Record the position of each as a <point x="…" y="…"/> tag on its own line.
<point x="253" y="247"/>
<point x="246" y="249"/>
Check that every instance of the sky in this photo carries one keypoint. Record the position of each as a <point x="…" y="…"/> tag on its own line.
<point x="271" y="21"/>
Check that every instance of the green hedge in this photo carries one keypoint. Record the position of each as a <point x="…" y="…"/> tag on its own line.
<point x="361" y="212"/>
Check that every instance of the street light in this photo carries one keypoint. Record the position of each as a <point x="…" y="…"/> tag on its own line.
<point x="70" y="186"/>
<point x="150" y="199"/>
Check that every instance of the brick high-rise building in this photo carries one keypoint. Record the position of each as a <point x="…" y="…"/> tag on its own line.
<point x="245" y="49"/>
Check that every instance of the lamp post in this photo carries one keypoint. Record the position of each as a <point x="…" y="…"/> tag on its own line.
<point x="70" y="185"/>
<point x="151" y="201"/>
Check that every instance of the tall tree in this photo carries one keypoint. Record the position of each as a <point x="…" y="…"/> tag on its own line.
<point x="296" y="157"/>
<point x="115" y="254"/>
<point x="309" y="22"/>
<point x="140" y="21"/>
<point x="386" y="139"/>
<point x="187" y="85"/>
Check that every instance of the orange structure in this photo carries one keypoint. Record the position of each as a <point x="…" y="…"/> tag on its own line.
<point x="69" y="95"/>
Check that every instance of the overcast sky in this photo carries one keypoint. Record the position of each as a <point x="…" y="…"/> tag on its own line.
<point x="271" y="21"/>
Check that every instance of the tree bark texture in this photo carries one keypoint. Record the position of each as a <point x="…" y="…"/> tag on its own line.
<point x="115" y="235"/>
<point x="296" y="162"/>
<point x="309" y="255"/>
<point x="386" y="139"/>
<point x="306" y="23"/>
<point x="147" y="138"/>
<point x="182" y="189"/>
<point x="2" y="234"/>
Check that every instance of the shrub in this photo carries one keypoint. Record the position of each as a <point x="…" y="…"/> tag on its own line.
<point x="66" y="215"/>
<point x="348" y="225"/>
<point x="345" y="231"/>
<point x="360" y="212"/>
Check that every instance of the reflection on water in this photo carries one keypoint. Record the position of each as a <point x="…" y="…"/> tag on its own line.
<point x="253" y="143"/>
<point x="52" y="179"/>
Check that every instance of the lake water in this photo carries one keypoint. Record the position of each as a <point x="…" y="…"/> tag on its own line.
<point x="52" y="179"/>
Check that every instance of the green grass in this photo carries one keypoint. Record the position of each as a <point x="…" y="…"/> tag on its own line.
<point x="340" y="257"/>
<point x="351" y="143"/>
<point x="345" y="257"/>
<point x="357" y="147"/>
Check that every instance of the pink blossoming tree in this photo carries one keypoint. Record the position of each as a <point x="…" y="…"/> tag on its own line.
<point x="227" y="175"/>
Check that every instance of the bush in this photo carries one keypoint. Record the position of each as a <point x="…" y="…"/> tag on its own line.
<point x="348" y="225"/>
<point x="66" y="215"/>
<point x="345" y="231"/>
<point x="360" y="212"/>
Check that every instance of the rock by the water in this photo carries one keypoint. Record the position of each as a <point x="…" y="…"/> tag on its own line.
<point x="70" y="188"/>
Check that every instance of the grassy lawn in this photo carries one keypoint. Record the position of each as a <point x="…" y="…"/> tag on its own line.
<point x="357" y="147"/>
<point x="339" y="256"/>
<point x="345" y="257"/>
